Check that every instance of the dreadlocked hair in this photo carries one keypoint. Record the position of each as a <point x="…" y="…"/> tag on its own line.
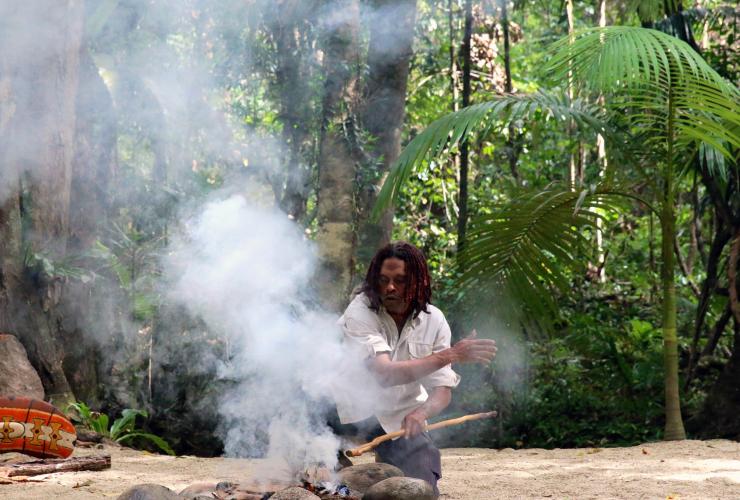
<point x="418" y="283"/>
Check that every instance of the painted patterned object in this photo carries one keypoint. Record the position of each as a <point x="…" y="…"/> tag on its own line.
<point x="35" y="428"/>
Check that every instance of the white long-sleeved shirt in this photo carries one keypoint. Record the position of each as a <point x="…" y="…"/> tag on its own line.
<point x="369" y="333"/>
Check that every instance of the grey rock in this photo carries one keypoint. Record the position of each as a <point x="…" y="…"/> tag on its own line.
<point x="17" y="376"/>
<point x="198" y="489"/>
<point x="400" y="488"/>
<point x="148" y="492"/>
<point x="360" y="477"/>
<point x="293" y="493"/>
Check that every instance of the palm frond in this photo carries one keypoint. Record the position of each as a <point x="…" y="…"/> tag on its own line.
<point x="525" y="247"/>
<point x="649" y="75"/>
<point x="603" y="58"/>
<point x="454" y="127"/>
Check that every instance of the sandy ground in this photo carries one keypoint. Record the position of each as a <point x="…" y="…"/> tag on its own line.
<point x="676" y="470"/>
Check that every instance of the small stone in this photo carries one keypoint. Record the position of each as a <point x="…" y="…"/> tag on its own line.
<point x="198" y="489"/>
<point x="360" y="477"/>
<point x="294" y="493"/>
<point x="149" y="492"/>
<point x="400" y="488"/>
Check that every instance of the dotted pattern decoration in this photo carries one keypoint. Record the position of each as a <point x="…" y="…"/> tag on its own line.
<point x="35" y="428"/>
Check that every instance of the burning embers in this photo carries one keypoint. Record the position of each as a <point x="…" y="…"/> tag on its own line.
<point x="320" y="481"/>
<point x="329" y="490"/>
<point x="326" y="490"/>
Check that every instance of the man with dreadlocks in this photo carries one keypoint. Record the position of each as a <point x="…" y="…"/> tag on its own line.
<point x="405" y="341"/>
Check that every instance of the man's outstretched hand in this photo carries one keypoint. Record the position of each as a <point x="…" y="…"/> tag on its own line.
<point x="473" y="350"/>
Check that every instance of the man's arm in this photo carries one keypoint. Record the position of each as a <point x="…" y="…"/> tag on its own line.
<point x="468" y="350"/>
<point x="439" y="399"/>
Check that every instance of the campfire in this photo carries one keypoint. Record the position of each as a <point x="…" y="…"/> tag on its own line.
<point x="329" y="490"/>
<point x="233" y="491"/>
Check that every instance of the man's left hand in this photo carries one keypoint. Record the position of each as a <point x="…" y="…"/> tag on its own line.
<point x="414" y="423"/>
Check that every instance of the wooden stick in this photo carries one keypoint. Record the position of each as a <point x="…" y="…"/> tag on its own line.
<point x="50" y="466"/>
<point x="356" y="452"/>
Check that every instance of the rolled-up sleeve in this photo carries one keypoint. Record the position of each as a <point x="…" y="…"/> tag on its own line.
<point x="445" y="376"/>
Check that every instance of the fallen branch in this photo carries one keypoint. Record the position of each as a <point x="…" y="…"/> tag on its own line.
<point x="50" y="466"/>
<point x="356" y="452"/>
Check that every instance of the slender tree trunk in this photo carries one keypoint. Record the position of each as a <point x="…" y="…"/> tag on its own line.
<point x="389" y="54"/>
<point x="454" y="91"/>
<point x="674" y="428"/>
<point x="454" y="168"/>
<point x="462" y="221"/>
<point x="511" y="149"/>
<point x="603" y="165"/>
<point x="337" y="161"/>
<point x="573" y="170"/>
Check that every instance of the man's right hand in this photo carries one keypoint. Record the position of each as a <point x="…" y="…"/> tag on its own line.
<point x="472" y="350"/>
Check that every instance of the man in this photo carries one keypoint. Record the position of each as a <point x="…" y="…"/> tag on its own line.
<point x="405" y="341"/>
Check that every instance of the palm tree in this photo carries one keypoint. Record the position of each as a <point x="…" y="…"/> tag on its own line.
<point x="668" y="98"/>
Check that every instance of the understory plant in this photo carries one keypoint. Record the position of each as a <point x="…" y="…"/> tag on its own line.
<point x="122" y="429"/>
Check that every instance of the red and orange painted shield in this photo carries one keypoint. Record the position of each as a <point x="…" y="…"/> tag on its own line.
<point x="35" y="428"/>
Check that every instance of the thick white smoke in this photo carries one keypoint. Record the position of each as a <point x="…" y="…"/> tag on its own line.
<point x="247" y="273"/>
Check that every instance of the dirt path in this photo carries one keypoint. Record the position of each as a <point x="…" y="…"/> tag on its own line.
<point x="677" y="470"/>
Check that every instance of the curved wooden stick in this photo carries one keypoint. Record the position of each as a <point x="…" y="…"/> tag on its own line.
<point x="356" y="452"/>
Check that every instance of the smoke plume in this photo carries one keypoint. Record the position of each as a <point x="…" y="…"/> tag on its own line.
<point x="247" y="273"/>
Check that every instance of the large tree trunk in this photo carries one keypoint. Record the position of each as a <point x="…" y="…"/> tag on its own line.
<point x="94" y="169"/>
<point x="291" y="35"/>
<point x="40" y="64"/>
<point x="389" y="53"/>
<point x="337" y="157"/>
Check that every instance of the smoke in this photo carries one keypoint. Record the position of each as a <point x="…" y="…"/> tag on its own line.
<point x="156" y="95"/>
<point x="247" y="273"/>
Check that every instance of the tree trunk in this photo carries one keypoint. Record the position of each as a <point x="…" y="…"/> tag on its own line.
<point x="389" y="53"/>
<point x="511" y="148"/>
<point x="94" y="169"/>
<point x="674" y="423"/>
<point x="293" y="87"/>
<point x="41" y="83"/>
<point x="573" y="170"/>
<point x="337" y="161"/>
<point x="723" y="401"/>
<point x="603" y="165"/>
<point x="462" y="221"/>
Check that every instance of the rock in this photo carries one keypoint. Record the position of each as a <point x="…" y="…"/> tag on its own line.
<point x="148" y="492"/>
<point x="400" y="488"/>
<point x="361" y="476"/>
<point x="17" y="376"/>
<point x="198" y="489"/>
<point x="294" y="493"/>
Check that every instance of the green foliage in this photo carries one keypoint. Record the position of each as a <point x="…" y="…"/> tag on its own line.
<point x="523" y="248"/>
<point x="121" y="429"/>
<point x="653" y="75"/>
<point x="454" y="127"/>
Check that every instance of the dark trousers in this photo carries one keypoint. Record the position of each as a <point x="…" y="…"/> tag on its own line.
<point x="416" y="457"/>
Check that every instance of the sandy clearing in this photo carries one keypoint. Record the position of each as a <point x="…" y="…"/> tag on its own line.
<point x="675" y="470"/>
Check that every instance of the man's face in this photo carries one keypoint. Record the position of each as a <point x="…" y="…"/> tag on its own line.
<point x="392" y="285"/>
